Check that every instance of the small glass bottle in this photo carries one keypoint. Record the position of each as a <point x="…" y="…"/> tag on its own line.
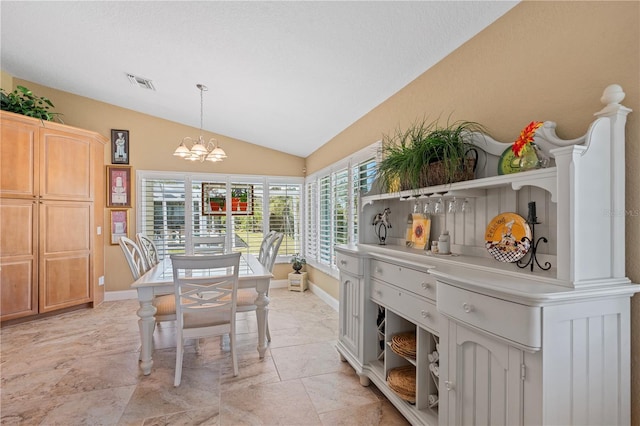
<point x="443" y="243"/>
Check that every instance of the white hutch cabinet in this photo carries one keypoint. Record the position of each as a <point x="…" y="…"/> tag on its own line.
<point x="495" y="343"/>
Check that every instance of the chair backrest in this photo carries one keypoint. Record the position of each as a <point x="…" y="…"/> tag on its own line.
<point x="135" y="257"/>
<point x="148" y="248"/>
<point x="212" y="244"/>
<point x="266" y="241"/>
<point x="272" y="251"/>
<point x="205" y="284"/>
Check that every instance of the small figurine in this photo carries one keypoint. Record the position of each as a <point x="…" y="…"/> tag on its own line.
<point x="381" y="223"/>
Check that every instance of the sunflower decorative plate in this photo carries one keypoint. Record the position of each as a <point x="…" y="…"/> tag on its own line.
<point x="504" y="237"/>
<point x="508" y="162"/>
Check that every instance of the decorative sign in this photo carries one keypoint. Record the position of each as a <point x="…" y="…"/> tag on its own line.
<point x="214" y="199"/>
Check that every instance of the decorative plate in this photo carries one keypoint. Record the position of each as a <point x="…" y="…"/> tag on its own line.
<point x="508" y="162"/>
<point x="504" y="237"/>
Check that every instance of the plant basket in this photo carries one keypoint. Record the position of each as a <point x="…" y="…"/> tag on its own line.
<point x="439" y="173"/>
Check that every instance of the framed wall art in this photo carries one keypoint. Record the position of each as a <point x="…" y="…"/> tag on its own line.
<point x="119" y="186"/>
<point x="119" y="220"/>
<point x="119" y="146"/>
<point x="214" y="199"/>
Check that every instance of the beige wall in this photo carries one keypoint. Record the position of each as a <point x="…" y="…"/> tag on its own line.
<point x="151" y="145"/>
<point x="540" y="61"/>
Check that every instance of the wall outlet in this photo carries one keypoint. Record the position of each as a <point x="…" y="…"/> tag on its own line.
<point x="99" y="230"/>
<point x="101" y="280"/>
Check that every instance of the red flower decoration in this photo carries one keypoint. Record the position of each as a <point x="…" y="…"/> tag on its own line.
<point x="526" y="137"/>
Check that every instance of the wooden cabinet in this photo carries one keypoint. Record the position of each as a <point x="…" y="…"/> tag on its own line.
<point x="51" y="205"/>
<point x="517" y="346"/>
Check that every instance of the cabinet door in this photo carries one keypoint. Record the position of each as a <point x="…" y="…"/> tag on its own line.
<point x="65" y="254"/>
<point x="18" y="159"/>
<point x="18" y="254"/>
<point x="350" y="294"/>
<point x="66" y="166"/>
<point x="483" y="380"/>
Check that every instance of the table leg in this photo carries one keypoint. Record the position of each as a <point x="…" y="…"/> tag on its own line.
<point x="262" y="310"/>
<point x="146" y="323"/>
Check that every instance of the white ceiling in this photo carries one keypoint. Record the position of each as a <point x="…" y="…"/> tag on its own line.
<point x="285" y="75"/>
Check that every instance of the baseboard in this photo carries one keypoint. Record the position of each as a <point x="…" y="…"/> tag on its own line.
<point x="110" y="296"/>
<point x="324" y="296"/>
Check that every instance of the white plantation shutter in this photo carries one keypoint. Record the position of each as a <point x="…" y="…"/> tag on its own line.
<point x="172" y="210"/>
<point x="162" y="214"/>
<point x="363" y="174"/>
<point x="325" y="219"/>
<point x="331" y="214"/>
<point x="284" y="216"/>
<point x="312" y="221"/>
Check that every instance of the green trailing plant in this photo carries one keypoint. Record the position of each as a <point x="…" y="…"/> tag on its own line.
<point x="407" y="154"/>
<point x="23" y="101"/>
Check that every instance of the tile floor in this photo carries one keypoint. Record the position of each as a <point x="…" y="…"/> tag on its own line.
<point x="81" y="368"/>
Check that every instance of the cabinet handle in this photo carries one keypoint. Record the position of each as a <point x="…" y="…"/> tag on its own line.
<point x="424" y="314"/>
<point x="425" y="285"/>
<point x="467" y="307"/>
<point x="448" y="385"/>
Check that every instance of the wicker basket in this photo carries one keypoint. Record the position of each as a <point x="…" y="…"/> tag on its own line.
<point x="404" y="344"/>
<point x="439" y="173"/>
<point x="402" y="381"/>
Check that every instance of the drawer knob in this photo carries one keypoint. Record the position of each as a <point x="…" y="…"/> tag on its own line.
<point x="448" y="385"/>
<point x="343" y="262"/>
<point x="378" y="292"/>
<point x="424" y="314"/>
<point x="379" y="270"/>
<point x="467" y="307"/>
<point x="425" y="285"/>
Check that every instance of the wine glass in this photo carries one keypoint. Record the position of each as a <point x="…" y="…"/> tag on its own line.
<point x="453" y="206"/>
<point x="466" y="206"/>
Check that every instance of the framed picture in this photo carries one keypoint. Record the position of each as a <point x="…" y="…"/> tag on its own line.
<point x="119" y="220"/>
<point x="214" y="199"/>
<point x="118" y="186"/>
<point x="119" y="146"/>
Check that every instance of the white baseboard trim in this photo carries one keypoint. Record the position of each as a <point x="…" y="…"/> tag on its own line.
<point x="111" y="296"/>
<point x="324" y="296"/>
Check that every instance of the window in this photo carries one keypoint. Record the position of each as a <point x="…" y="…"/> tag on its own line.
<point x="174" y="208"/>
<point x="331" y="214"/>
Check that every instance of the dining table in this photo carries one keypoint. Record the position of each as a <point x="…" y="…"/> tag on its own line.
<point x="159" y="281"/>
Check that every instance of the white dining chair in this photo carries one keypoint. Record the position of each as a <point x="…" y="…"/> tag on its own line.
<point x="247" y="296"/>
<point x="165" y="304"/>
<point x="206" y="290"/>
<point x="148" y="248"/>
<point x="209" y="245"/>
<point x="135" y="257"/>
<point x="266" y="241"/>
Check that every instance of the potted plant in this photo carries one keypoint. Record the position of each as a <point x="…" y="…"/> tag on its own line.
<point x="297" y="262"/>
<point x="23" y="101"/>
<point x="428" y="154"/>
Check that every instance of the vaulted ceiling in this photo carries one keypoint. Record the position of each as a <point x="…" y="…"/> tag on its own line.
<point x="285" y="75"/>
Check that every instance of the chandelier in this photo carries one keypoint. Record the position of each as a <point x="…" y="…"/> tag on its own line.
<point x="198" y="149"/>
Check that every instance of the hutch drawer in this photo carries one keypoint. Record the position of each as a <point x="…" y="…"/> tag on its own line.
<point x="349" y="264"/>
<point x="418" y="282"/>
<point x="417" y="309"/>
<point x="509" y="320"/>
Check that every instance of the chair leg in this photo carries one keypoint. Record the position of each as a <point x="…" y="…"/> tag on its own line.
<point x="234" y="357"/>
<point x="268" y="333"/>
<point x="179" y="353"/>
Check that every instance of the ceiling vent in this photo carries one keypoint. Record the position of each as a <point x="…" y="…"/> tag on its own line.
<point x="140" y="82"/>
